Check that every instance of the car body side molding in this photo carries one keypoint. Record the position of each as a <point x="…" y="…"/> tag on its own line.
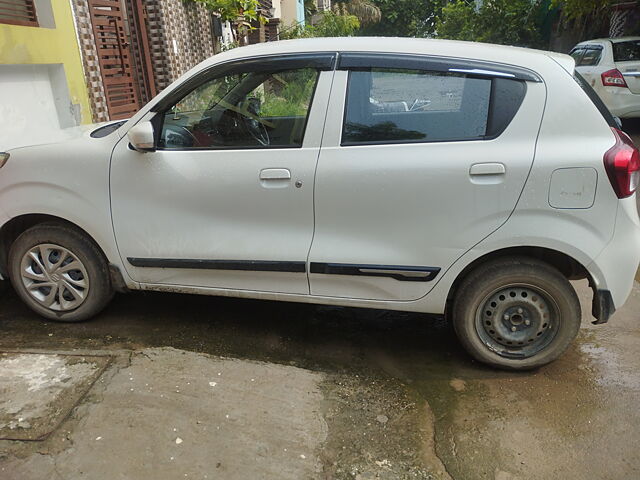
<point x="398" y="272"/>
<point x="196" y="264"/>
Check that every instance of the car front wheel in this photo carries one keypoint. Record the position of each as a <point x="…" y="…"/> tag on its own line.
<point x="59" y="273"/>
<point x="516" y="313"/>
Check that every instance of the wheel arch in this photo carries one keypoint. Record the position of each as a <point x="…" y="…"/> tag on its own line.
<point x="12" y="229"/>
<point x="571" y="268"/>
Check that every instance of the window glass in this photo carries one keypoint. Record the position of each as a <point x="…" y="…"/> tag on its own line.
<point x="249" y="110"/>
<point x="397" y="106"/>
<point x="591" y="57"/>
<point x="626" y="51"/>
<point x="577" y="53"/>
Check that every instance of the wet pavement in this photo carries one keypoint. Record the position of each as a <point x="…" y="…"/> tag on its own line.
<point x="399" y="395"/>
<point x="316" y="392"/>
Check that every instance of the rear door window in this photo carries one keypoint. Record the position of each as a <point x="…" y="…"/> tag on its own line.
<point x="626" y="51"/>
<point x="399" y="106"/>
<point x="391" y="106"/>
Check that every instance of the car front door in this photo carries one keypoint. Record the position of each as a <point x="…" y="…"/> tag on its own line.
<point x="225" y="200"/>
<point x="431" y="158"/>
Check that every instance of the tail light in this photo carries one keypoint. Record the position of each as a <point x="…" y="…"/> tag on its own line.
<point x="622" y="162"/>
<point x="613" y="78"/>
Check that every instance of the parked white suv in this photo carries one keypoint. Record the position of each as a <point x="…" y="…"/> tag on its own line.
<point x="612" y="68"/>
<point x="419" y="175"/>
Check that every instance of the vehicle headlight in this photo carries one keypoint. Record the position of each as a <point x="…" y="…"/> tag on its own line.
<point x="3" y="158"/>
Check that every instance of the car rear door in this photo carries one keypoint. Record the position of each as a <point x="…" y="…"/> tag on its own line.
<point x="422" y="158"/>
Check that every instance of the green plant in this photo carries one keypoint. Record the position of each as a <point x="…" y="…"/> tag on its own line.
<point x="331" y="24"/>
<point x="574" y="9"/>
<point x="405" y="18"/>
<point x="509" y="22"/>
<point x="366" y="11"/>
<point x="290" y="94"/>
<point x="232" y="10"/>
<point x="240" y="12"/>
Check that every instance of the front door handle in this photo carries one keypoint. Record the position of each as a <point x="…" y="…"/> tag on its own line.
<point x="487" y="169"/>
<point x="275" y="174"/>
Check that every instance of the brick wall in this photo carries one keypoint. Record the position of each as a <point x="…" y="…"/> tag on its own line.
<point x="179" y="37"/>
<point x="90" y="64"/>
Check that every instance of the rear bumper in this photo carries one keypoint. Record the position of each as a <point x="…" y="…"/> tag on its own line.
<point x="614" y="269"/>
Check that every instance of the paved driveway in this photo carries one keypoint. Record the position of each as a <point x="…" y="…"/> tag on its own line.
<point x="357" y="393"/>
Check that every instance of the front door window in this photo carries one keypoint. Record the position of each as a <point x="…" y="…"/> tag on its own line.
<point x="246" y="110"/>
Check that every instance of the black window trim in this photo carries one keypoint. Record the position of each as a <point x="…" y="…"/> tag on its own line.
<point x="321" y="61"/>
<point x="434" y="63"/>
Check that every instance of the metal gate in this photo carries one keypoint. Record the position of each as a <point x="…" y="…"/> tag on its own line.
<point x="114" y="58"/>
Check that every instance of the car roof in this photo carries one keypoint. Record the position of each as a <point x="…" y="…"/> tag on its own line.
<point x="449" y="48"/>
<point x="612" y="40"/>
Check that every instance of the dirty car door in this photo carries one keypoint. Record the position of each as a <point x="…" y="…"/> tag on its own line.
<point x="226" y="199"/>
<point x="431" y="158"/>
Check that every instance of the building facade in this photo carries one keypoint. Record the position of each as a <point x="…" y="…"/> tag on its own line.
<point x="66" y="62"/>
<point x="291" y="13"/>
<point x="42" y="85"/>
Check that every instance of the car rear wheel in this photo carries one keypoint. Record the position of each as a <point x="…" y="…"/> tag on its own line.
<point x="59" y="273"/>
<point x="516" y="313"/>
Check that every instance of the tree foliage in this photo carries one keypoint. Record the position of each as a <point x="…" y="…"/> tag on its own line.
<point x="576" y="9"/>
<point x="367" y="12"/>
<point x="331" y="24"/>
<point x="405" y="18"/>
<point x="509" y="22"/>
<point x="234" y="10"/>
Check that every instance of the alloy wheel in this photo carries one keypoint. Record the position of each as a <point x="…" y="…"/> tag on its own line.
<point x="54" y="277"/>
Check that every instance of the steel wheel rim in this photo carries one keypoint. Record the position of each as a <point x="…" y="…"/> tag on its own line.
<point x="517" y="320"/>
<point x="54" y="277"/>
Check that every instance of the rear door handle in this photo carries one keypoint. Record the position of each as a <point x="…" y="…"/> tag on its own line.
<point x="275" y="174"/>
<point x="487" y="169"/>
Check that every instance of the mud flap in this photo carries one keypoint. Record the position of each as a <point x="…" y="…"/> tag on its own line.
<point x="602" y="307"/>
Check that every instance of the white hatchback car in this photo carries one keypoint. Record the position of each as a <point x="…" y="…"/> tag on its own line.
<point x="612" y="68"/>
<point x="421" y="175"/>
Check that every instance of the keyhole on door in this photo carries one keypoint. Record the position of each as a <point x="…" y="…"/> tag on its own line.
<point x="298" y="184"/>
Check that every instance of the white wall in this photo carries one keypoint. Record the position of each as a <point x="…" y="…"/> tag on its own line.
<point x="34" y="100"/>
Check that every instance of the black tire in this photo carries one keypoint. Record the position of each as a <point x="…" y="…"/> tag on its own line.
<point x="100" y="290"/>
<point x="480" y="313"/>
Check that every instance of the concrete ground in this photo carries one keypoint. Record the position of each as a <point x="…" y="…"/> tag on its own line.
<point x="221" y="388"/>
<point x="165" y="386"/>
